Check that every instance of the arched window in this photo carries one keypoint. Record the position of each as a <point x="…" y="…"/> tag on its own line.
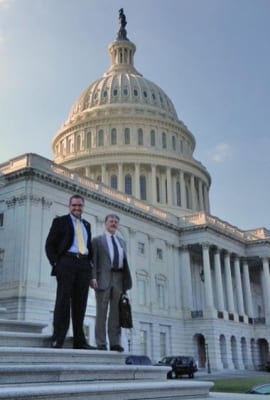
<point x="158" y="190"/>
<point x="140" y="136"/>
<point x="127" y="136"/>
<point x="164" y="140"/>
<point x="143" y="187"/>
<point x="100" y="141"/>
<point x="89" y="140"/>
<point x="114" y="181"/>
<point x="78" y="143"/>
<point x="128" y="184"/>
<point x="174" y="143"/>
<point x="113" y="136"/>
<point x="178" y="194"/>
<point x="68" y="145"/>
<point x="153" y="137"/>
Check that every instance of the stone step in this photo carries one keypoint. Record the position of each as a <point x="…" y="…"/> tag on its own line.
<point x="58" y="373"/>
<point x="165" y="390"/>
<point x="24" y="339"/>
<point x="10" y="325"/>
<point x="33" y="355"/>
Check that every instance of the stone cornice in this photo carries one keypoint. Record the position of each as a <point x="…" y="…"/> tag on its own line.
<point x="32" y="166"/>
<point x="64" y="178"/>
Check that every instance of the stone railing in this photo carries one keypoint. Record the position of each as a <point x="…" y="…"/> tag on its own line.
<point x="201" y="218"/>
<point x="48" y="167"/>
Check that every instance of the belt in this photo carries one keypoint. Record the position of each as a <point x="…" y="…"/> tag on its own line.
<point x="116" y="269"/>
<point x="76" y="255"/>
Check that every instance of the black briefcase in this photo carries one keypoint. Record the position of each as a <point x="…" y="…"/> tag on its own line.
<point x="125" y="314"/>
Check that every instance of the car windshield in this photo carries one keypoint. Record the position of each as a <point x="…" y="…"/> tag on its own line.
<point x="264" y="389"/>
<point x="167" y="360"/>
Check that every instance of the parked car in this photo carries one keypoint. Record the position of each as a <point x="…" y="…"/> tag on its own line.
<point x="260" y="389"/>
<point x="138" y="360"/>
<point x="180" y="365"/>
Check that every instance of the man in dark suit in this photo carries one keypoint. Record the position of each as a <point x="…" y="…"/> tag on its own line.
<point x="111" y="278"/>
<point x="69" y="250"/>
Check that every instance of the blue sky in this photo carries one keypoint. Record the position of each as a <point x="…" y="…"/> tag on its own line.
<point x="211" y="57"/>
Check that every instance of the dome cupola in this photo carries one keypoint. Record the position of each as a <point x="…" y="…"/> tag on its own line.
<point x="124" y="131"/>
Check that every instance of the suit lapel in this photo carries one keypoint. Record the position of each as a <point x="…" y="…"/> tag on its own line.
<point x="105" y="244"/>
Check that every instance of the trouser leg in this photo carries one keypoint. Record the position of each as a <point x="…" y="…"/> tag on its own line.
<point x="65" y="278"/>
<point x="79" y="302"/>
<point x="114" y="329"/>
<point x="102" y="301"/>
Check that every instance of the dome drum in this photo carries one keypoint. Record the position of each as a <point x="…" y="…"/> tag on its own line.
<point x="124" y="131"/>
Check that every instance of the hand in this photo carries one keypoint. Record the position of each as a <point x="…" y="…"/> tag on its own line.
<point x="93" y="284"/>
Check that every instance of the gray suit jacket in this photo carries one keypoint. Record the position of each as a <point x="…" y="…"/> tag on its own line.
<point x="102" y="264"/>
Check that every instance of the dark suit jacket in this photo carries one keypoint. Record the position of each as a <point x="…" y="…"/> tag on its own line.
<point x="60" y="239"/>
<point x="102" y="264"/>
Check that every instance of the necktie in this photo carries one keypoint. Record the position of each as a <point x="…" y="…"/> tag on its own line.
<point x="115" y="253"/>
<point x="79" y="234"/>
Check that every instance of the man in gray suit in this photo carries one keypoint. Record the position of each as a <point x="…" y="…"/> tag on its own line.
<point x="111" y="277"/>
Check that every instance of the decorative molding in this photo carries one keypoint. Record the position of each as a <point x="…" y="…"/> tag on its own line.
<point x="34" y="199"/>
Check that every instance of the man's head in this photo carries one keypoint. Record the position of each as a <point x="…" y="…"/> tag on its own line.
<point x="111" y="223"/>
<point x="76" y="203"/>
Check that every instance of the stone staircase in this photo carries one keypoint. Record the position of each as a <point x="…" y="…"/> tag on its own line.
<point x="30" y="370"/>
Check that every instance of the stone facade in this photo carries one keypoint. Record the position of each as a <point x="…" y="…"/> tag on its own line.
<point x="201" y="286"/>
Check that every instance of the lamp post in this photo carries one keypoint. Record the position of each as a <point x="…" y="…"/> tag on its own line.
<point x="207" y="359"/>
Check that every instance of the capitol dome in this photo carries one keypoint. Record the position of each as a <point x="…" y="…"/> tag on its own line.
<point x="124" y="131"/>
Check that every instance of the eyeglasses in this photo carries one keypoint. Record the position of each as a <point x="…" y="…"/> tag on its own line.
<point x="76" y="205"/>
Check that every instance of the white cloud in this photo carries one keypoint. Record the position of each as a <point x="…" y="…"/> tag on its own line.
<point x="5" y="3"/>
<point x="221" y="152"/>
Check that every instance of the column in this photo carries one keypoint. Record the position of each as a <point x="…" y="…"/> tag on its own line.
<point x="201" y="205"/>
<point x="103" y="173"/>
<point x="120" y="182"/>
<point x="207" y="277"/>
<point x="153" y="184"/>
<point x="239" y="290"/>
<point x="88" y="172"/>
<point x="187" y="299"/>
<point x="169" y="186"/>
<point x="266" y="287"/>
<point x="183" y="190"/>
<point x="247" y="290"/>
<point x="228" y="279"/>
<point x="137" y="181"/>
<point x="206" y="199"/>
<point x="218" y="279"/>
<point x="192" y="189"/>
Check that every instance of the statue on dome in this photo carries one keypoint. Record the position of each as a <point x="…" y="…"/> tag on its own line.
<point x="122" y="33"/>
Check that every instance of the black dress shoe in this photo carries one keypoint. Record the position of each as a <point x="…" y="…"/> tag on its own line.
<point x="117" y="347"/>
<point x="85" y="346"/>
<point x="102" y="347"/>
<point x="56" y="345"/>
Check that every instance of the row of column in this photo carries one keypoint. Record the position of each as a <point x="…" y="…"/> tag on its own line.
<point x="195" y="198"/>
<point x="243" y="295"/>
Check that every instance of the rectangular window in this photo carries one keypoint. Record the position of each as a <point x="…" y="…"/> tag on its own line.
<point x="141" y="292"/>
<point x="159" y="254"/>
<point x="163" y="342"/>
<point x="143" y="342"/>
<point x="161" y="295"/>
<point x="1" y="219"/>
<point x="141" y="248"/>
<point x="174" y="143"/>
